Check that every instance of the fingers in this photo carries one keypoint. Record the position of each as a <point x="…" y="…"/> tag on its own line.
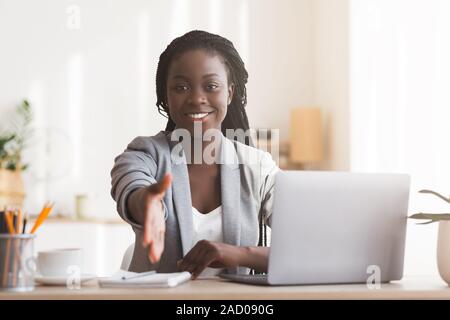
<point x="157" y="248"/>
<point x="166" y="182"/>
<point x="154" y="209"/>
<point x="161" y="186"/>
<point x="154" y="231"/>
<point x="187" y="263"/>
<point x="154" y="224"/>
<point x="149" y="223"/>
<point x="200" y="257"/>
<point x="154" y="219"/>
<point x="203" y="262"/>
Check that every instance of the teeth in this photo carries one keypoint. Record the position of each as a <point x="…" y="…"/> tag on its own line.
<point x="198" y="115"/>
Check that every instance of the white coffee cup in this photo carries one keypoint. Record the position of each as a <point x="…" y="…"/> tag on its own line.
<point x="59" y="262"/>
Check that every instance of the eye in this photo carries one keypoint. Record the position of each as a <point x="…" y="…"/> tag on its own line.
<point x="211" y="86"/>
<point x="180" y="88"/>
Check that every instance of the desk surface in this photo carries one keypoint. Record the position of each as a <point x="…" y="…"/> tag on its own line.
<point x="210" y="289"/>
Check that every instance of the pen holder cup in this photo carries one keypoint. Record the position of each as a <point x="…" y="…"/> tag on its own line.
<point x="17" y="262"/>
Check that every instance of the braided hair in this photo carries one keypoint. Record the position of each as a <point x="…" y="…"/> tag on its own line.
<point x="236" y="117"/>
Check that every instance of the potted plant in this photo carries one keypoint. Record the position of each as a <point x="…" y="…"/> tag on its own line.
<point x="12" y="142"/>
<point x="443" y="245"/>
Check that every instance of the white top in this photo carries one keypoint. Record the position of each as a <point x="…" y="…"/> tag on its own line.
<point x="208" y="227"/>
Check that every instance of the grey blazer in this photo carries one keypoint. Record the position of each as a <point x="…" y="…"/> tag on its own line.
<point x="247" y="186"/>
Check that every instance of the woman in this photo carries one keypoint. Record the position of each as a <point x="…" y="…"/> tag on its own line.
<point x="195" y="215"/>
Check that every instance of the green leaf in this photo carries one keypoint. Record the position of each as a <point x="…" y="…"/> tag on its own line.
<point x="428" y="222"/>
<point x="433" y="217"/>
<point x="436" y="194"/>
<point x="11" y="166"/>
<point x="5" y="139"/>
<point x="13" y="142"/>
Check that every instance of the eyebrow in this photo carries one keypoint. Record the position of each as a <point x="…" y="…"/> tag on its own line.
<point x="179" y="76"/>
<point x="210" y="75"/>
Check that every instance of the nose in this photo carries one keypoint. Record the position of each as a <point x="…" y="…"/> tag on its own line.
<point x="197" y="97"/>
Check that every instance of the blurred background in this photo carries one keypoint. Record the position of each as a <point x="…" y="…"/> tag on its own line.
<point x="366" y="79"/>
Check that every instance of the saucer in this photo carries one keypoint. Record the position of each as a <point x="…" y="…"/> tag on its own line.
<point x="61" y="281"/>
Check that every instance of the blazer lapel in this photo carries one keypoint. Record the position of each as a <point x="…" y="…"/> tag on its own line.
<point x="182" y="199"/>
<point x="231" y="193"/>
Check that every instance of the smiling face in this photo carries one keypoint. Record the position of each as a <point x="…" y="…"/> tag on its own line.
<point x="198" y="90"/>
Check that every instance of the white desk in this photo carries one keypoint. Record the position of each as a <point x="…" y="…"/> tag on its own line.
<point x="408" y="288"/>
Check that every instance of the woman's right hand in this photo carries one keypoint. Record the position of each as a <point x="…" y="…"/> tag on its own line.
<point x="154" y="223"/>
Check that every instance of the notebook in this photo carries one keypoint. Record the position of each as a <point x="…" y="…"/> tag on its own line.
<point x="127" y="279"/>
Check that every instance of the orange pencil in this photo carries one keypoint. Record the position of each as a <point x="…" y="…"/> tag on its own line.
<point x="42" y="216"/>
<point x="9" y="222"/>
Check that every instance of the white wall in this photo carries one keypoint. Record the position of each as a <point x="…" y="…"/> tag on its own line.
<point x="92" y="88"/>
<point x="331" y="79"/>
<point x="400" y="71"/>
<point x="280" y="61"/>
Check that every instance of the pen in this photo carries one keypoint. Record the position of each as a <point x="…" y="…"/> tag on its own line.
<point x="19" y="221"/>
<point x="25" y="219"/>
<point x="142" y="274"/>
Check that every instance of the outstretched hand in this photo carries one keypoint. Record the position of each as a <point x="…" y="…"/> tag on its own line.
<point x="154" y="223"/>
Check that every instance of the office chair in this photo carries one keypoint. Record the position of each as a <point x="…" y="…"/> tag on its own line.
<point x="126" y="260"/>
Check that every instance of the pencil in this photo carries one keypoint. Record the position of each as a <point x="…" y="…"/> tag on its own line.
<point x="2" y="222"/>
<point x="39" y="217"/>
<point x="42" y="216"/>
<point x="9" y="222"/>
<point x="25" y="220"/>
<point x="19" y="221"/>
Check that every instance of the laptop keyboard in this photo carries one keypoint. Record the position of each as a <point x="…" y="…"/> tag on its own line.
<point x="246" y="278"/>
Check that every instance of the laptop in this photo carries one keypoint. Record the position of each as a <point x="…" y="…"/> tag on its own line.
<point x="335" y="227"/>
